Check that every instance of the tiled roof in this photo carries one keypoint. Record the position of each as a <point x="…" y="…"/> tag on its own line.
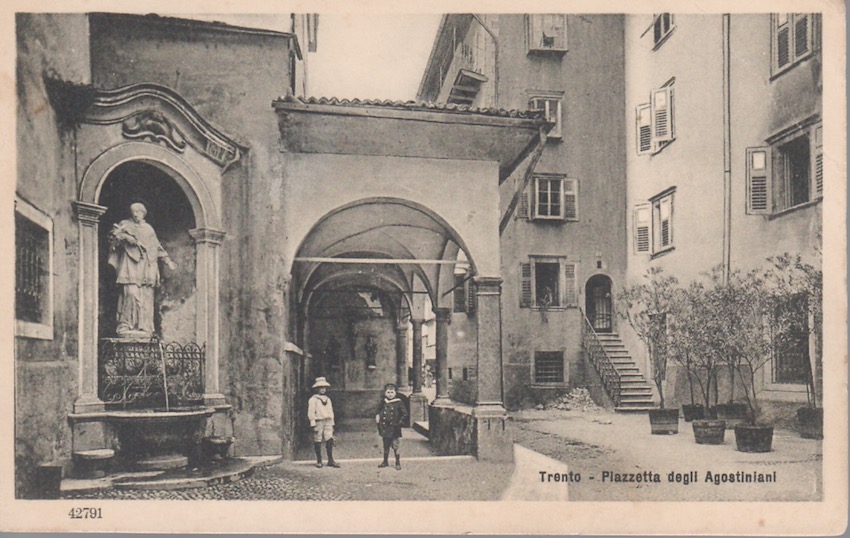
<point x="413" y="105"/>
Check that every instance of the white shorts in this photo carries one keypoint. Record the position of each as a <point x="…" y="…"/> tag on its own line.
<point x="323" y="430"/>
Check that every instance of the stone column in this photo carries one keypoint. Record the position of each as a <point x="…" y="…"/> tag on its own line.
<point x="401" y="358"/>
<point x="444" y="316"/>
<point x="492" y="440"/>
<point x="207" y="244"/>
<point x="418" y="401"/>
<point x="88" y="218"/>
<point x="417" y="355"/>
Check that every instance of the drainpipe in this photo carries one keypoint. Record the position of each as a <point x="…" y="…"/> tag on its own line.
<point x="727" y="154"/>
<point x="495" y="59"/>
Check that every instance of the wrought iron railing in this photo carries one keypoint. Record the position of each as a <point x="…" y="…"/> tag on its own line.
<point x="601" y="361"/>
<point x="150" y="373"/>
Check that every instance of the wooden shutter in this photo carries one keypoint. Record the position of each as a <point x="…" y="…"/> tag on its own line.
<point x="643" y="129"/>
<point x="555" y="28"/>
<point x="758" y="180"/>
<point x="570" y="199"/>
<point x="524" y="285"/>
<point x="470" y="296"/>
<point x="570" y="289"/>
<point x="662" y="115"/>
<point x="665" y="221"/>
<point x="522" y="207"/>
<point x="783" y="40"/>
<point x="642" y="228"/>
<point x="817" y="159"/>
<point x="802" y="34"/>
<point x="459" y="294"/>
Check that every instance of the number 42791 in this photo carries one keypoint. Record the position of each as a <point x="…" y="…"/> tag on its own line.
<point x="86" y="513"/>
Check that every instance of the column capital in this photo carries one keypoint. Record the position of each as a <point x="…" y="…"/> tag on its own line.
<point x="488" y="285"/>
<point x="415" y="322"/>
<point x="88" y="213"/>
<point x="207" y="235"/>
<point x="443" y="314"/>
<point x="401" y="327"/>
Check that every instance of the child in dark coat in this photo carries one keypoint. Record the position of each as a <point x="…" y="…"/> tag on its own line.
<point x="391" y="416"/>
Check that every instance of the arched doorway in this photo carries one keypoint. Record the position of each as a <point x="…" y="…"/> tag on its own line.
<point x="598" y="303"/>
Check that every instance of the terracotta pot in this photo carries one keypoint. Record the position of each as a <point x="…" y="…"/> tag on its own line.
<point x="810" y="422"/>
<point x="753" y="438"/>
<point x="693" y="412"/>
<point x="664" y="421"/>
<point x="709" y="432"/>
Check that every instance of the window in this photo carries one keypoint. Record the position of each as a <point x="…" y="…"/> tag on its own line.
<point x="654" y="121"/>
<point x="790" y="340"/>
<point x="548" y="283"/>
<point x="662" y="27"/>
<point x="786" y="174"/>
<point x="555" y="198"/>
<point x="793" y="39"/>
<point x="546" y="33"/>
<point x="653" y="224"/>
<point x="551" y="106"/>
<point x="548" y="366"/>
<point x="33" y="272"/>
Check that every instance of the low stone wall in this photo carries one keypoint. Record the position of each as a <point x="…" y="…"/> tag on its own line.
<point x="452" y="430"/>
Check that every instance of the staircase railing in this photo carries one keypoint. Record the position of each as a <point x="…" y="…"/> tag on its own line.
<point x="600" y="360"/>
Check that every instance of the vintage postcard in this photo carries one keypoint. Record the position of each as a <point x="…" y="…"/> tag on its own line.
<point x="474" y="267"/>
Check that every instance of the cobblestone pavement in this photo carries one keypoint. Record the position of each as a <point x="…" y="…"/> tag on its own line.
<point x="432" y="480"/>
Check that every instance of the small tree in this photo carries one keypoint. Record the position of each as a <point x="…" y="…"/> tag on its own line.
<point x="796" y="301"/>
<point x="646" y="307"/>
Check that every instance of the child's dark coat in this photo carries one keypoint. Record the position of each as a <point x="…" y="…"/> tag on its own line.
<point x="391" y="416"/>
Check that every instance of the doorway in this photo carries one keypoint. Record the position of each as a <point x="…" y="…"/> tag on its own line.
<point x="598" y="303"/>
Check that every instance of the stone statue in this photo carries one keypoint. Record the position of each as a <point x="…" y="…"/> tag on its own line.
<point x="135" y="252"/>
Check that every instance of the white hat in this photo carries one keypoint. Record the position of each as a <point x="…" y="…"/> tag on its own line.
<point x="321" y="382"/>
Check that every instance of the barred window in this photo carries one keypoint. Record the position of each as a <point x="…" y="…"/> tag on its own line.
<point x="33" y="234"/>
<point x="548" y="367"/>
<point x="790" y="340"/>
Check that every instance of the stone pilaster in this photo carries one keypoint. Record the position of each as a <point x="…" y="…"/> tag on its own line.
<point x="207" y="247"/>
<point x="88" y="219"/>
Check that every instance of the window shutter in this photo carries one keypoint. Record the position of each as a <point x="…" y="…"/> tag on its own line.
<point x="783" y="40"/>
<point x="642" y="224"/>
<point x="818" y="161"/>
<point x="522" y="208"/>
<point x="570" y="291"/>
<point x="459" y="294"/>
<point x="643" y="133"/>
<point x="534" y="197"/>
<point x="555" y="27"/>
<point x="665" y="212"/>
<point x="662" y="114"/>
<point x="758" y="180"/>
<point x="570" y="199"/>
<point x="524" y="285"/>
<point x="470" y="296"/>
<point x="802" y="34"/>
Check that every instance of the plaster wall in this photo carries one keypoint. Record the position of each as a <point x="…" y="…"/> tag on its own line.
<point x="460" y="192"/>
<point x="46" y="371"/>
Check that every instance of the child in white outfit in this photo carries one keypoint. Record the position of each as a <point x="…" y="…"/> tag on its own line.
<point x="320" y="412"/>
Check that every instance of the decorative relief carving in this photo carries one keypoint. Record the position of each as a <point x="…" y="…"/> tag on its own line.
<point x="153" y="126"/>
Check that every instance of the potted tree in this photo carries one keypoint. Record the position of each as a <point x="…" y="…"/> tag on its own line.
<point x="696" y="336"/>
<point x="797" y="293"/>
<point x="684" y="348"/>
<point x="748" y="347"/>
<point x="645" y="307"/>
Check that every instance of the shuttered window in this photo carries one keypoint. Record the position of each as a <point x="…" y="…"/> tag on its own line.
<point x="662" y="27"/>
<point x="551" y="107"/>
<point x="570" y="199"/>
<point x="459" y="294"/>
<point x="793" y="38"/>
<point x="546" y="33"/>
<point x="642" y="228"/>
<point x="662" y="221"/>
<point x="662" y="115"/>
<point x="818" y="161"/>
<point x="522" y="207"/>
<point x="643" y="126"/>
<point x="758" y="180"/>
<point x="555" y="198"/>
<point x="525" y="298"/>
<point x="548" y="282"/>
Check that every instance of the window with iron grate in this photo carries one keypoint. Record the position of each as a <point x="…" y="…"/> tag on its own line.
<point x="548" y="367"/>
<point x="33" y="282"/>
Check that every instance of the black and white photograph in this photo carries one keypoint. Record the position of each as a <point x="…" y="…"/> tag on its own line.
<point x="322" y="262"/>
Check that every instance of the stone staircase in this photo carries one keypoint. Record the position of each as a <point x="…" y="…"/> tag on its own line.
<point x="635" y="391"/>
